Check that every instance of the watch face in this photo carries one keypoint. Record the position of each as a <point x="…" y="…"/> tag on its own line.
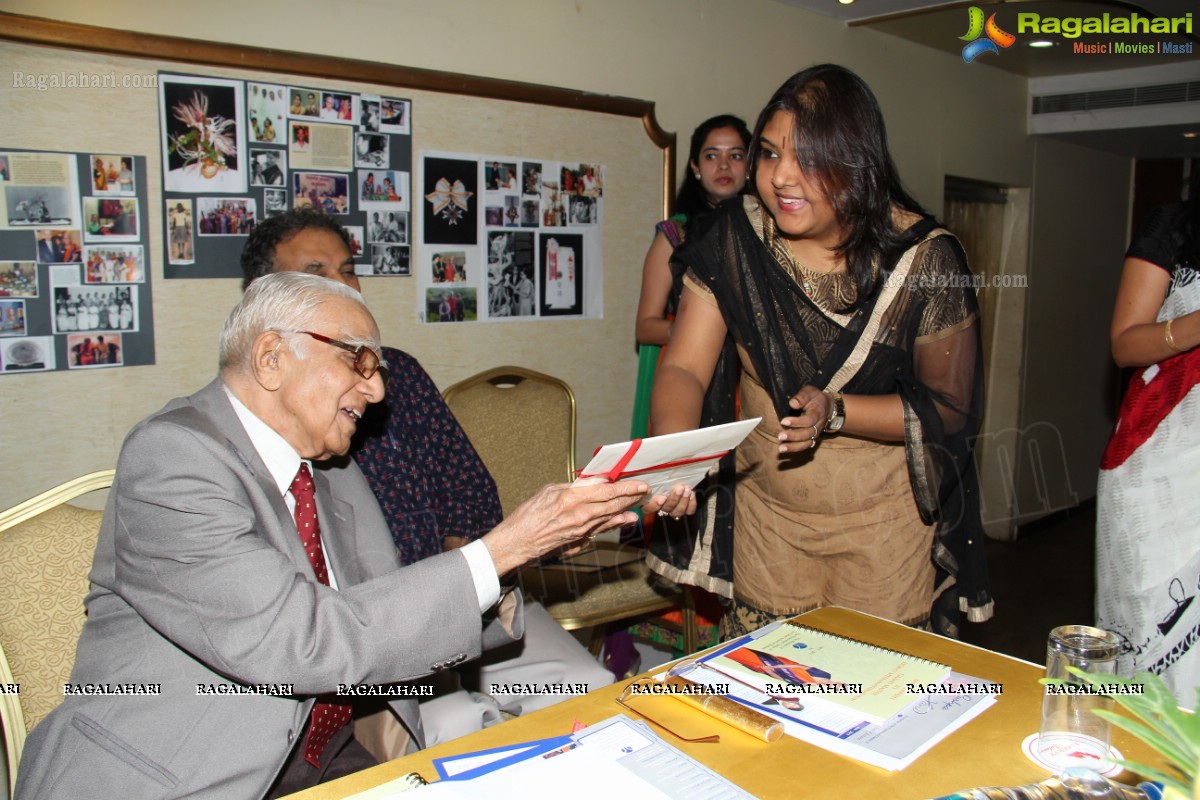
<point x="839" y="415"/>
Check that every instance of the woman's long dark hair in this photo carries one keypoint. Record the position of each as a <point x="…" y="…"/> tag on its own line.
<point x="841" y="143"/>
<point x="692" y="200"/>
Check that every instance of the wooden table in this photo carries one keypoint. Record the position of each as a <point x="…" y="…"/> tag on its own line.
<point x="985" y="752"/>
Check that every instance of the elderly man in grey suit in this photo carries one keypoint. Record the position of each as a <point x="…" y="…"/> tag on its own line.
<point x="234" y="590"/>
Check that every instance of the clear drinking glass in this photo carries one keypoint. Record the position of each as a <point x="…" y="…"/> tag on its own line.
<point x="1071" y="735"/>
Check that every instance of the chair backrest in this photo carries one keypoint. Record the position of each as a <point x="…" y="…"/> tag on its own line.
<point x="522" y="423"/>
<point x="46" y="549"/>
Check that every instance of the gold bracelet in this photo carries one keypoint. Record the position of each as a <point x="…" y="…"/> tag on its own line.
<point x="1170" y="340"/>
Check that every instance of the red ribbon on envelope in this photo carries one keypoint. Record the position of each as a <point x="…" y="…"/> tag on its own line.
<point x="618" y="470"/>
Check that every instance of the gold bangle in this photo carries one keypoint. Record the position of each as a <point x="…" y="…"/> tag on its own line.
<point x="1170" y="340"/>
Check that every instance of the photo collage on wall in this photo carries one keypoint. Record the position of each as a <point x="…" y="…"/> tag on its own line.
<point x="506" y="238"/>
<point x="74" y="277"/>
<point x="236" y="152"/>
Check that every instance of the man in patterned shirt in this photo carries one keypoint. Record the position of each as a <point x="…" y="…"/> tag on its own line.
<point x="434" y="491"/>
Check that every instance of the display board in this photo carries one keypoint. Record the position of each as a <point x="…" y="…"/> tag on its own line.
<point x="508" y="238"/>
<point x="236" y="152"/>
<point x="102" y="96"/>
<point x="74" y="292"/>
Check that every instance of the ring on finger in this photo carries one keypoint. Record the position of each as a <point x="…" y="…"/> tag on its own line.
<point x="663" y="513"/>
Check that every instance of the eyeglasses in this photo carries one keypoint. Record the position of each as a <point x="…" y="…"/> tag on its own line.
<point x="686" y="665"/>
<point x="366" y="360"/>
<point x="631" y="691"/>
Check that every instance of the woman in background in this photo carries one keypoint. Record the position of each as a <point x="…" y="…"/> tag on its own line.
<point x="1148" y="499"/>
<point x="851" y="314"/>
<point x="716" y="172"/>
<point x="125" y="176"/>
<point x="524" y="293"/>
<point x="99" y="176"/>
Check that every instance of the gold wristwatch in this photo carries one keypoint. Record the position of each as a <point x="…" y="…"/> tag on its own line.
<point x="838" y="418"/>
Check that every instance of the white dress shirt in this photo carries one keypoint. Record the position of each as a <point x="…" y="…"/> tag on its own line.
<point x="283" y="462"/>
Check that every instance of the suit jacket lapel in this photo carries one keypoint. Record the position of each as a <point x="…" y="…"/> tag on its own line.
<point x="214" y="403"/>
<point x="337" y="532"/>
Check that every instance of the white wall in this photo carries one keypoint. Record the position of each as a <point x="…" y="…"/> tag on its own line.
<point x="1078" y="240"/>
<point x="693" y="58"/>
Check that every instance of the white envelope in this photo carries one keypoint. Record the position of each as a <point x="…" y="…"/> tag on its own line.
<point x="666" y="461"/>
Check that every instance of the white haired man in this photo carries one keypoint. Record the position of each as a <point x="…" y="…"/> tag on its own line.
<point x="234" y="589"/>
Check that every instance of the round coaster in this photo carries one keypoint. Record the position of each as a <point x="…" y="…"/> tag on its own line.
<point x="1078" y="751"/>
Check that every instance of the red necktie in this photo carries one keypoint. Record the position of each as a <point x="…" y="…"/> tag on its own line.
<point x="327" y="718"/>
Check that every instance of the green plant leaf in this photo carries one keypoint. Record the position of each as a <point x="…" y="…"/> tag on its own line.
<point x="1172" y="717"/>
<point x="1174" y="752"/>
<point x="186" y="140"/>
<point x="1157" y="720"/>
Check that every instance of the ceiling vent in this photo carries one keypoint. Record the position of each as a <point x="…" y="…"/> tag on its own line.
<point x="1138" y="110"/>
<point x="1128" y="97"/>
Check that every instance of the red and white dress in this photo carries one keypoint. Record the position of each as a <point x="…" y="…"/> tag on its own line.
<point x="1148" y="499"/>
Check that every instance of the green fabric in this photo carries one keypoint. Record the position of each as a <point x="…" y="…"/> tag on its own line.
<point x="647" y="364"/>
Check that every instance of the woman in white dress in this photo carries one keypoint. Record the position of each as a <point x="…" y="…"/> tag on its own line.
<point x="126" y="314"/>
<point x="113" y="312"/>
<point x="1148" y="500"/>
<point x="525" y="295"/>
<point x="93" y="313"/>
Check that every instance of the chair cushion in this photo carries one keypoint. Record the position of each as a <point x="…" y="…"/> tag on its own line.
<point x="44" y="563"/>
<point x="522" y="433"/>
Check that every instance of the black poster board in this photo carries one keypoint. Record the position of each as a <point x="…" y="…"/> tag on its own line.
<point x="75" y="290"/>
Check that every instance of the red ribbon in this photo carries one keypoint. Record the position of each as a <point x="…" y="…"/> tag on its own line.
<point x="617" y="472"/>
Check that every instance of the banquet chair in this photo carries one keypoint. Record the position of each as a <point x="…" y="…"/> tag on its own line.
<point x="522" y="423"/>
<point x="46" y="549"/>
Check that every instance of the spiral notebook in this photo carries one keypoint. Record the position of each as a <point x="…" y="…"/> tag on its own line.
<point x="805" y="666"/>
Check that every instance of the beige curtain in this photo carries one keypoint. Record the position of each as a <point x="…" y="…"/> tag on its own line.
<point x="980" y="228"/>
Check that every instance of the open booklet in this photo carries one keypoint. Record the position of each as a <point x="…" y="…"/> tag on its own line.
<point x="808" y="666"/>
<point x="669" y="460"/>
<point x="893" y="743"/>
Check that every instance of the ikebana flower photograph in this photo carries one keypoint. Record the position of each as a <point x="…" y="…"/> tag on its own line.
<point x="202" y="134"/>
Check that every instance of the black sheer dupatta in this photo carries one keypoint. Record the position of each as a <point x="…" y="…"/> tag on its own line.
<point x="926" y="348"/>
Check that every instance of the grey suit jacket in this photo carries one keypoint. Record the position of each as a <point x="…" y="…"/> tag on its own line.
<point x="200" y="580"/>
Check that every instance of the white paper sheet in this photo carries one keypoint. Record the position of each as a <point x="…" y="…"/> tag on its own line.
<point x="616" y="758"/>
<point x="667" y="461"/>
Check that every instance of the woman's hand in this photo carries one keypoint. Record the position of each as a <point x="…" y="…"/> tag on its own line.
<point x="801" y="431"/>
<point x="679" y="502"/>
